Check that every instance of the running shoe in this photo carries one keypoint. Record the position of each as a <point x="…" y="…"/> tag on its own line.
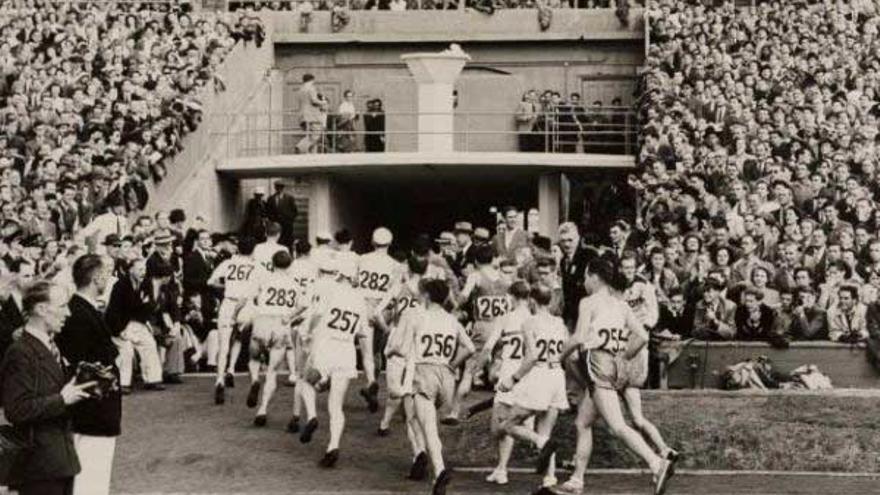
<point x="229" y="380"/>
<point x="371" y="395"/>
<point x="219" y="394"/>
<point x="253" y="395"/>
<point x="662" y="477"/>
<point x="441" y="483"/>
<point x="383" y="432"/>
<point x="419" y="469"/>
<point x="571" y="487"/>
<point x="450" y="421"/>
<point x="544" y="456"/>
<point x="497" y="477"/>
<point x="306" y="435"/>
<point x="293" y="425"/>
<point x="329" y="459"/>
<point x="260" y="420"/>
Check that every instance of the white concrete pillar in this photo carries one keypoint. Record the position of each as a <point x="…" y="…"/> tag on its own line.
<point x="435" y="75"/>
<point x="549" y="187"/>
<point x="321" y="206"/>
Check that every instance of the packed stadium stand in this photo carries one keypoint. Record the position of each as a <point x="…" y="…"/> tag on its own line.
<point x="749" y="205"/>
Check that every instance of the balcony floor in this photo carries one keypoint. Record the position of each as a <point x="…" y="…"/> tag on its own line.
<point x="455" y="163"/>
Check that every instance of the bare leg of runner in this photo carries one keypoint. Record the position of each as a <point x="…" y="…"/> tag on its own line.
<point x="633" y="398"/>
<point x="338" y="387"/>
<point x="275" y="357"/>
<point x="608" y="405"/>
<point x="427" y="417"/>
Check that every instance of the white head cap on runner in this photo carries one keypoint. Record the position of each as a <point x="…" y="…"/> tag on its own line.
<point x="382" y="237"/>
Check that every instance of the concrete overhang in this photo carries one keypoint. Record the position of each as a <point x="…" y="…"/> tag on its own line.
<point x="399" y="166"/>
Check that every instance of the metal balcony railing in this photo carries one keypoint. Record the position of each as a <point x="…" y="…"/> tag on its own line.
<point x="605" y="130"/>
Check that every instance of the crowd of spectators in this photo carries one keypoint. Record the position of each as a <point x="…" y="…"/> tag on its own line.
<point x="758" y="215"/>
<point x="95" y="99"/>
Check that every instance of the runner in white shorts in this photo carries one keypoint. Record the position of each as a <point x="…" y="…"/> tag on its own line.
<point x="509" y="333"/>
<point x="339" y="316"/>
<point x="234" y="276"/>
<point x="400" y="366"/>
<point x="278" y="303"/>
<point x="440" y="346"/>
<point x="379" y="278"/>
<point x="610" y="335"/>
<point x="304" y="271"/>
<point x="537" y="386"/>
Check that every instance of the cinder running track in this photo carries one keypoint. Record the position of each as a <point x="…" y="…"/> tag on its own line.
<point x="178" y="442"/>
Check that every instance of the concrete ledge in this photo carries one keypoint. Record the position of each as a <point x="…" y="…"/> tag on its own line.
<point x="516" y="25"/>
<point x="701" y="364"/>
<point x="476" y="163"/>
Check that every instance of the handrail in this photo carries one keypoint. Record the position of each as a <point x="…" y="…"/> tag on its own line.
<point x="272" y="133"/>
<point x="581" y="108"/>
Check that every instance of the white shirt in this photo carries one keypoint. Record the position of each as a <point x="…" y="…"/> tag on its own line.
<point x="264" y="251"/>
<point x="104" y="225"/>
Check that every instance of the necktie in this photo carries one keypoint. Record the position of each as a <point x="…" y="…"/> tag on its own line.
<point x="118" y="226"/>
<point x="55" y="352"/>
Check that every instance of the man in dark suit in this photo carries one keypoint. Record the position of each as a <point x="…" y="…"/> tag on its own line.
<point x="87" y="338"/>
<point x="36" y="400"/>
<point x="374" y="127"/>
<point x="574" y="261"/>
<point x="281" y="208"/>
<point x="255" y="216"/>
<point x="11" y="318"/>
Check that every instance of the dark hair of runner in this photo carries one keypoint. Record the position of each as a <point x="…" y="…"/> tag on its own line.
<point x="519" y="289"/>
<point x="484" y="254"/>
<point x="541" y="294"/>
<point x="281" y="259"/>
<point x="417" y="264"/>
<point x="608" y="273"/>
<point x="246" y="245"/>
<point x="437" y="291"/>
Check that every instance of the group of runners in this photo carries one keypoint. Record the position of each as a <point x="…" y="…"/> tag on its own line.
<point x="317" y="311"/>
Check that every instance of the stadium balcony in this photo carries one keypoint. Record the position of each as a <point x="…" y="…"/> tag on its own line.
<point x="582" y="50"/>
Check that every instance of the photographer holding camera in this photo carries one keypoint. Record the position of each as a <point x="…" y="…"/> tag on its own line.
<point x="36" y="396"/>
<point x="85" y="341"/>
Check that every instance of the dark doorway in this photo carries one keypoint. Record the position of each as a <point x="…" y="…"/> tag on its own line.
<point x="430" y="202"/>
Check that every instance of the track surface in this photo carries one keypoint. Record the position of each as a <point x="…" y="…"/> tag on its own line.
<point x="177" y="441"/>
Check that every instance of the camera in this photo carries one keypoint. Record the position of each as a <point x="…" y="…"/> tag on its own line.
<point x="103" y="376"/>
